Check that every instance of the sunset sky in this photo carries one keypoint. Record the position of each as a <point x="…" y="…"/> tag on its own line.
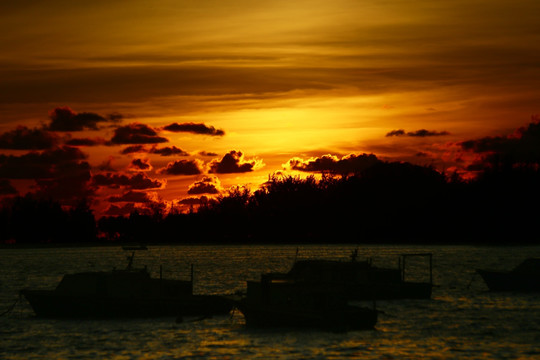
<point x="136" y="102"/>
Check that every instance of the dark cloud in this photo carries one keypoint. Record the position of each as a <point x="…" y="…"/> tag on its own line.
<point x="140" y="165"/>
<point x="346" y="165"/>
<point x="194" y="128"/>
<point x="134" y="149"/>
<point x="488" y="144"/>
<point x="23" y="138"/>
<point x="59" y="173"/>
<point x="6" y="188"/>
<point x="426" y="133"/>
<point x="168" y="151"/>
<point x="138" y="181"/>
<point x="71" y="184"/>
<point x="417" y="133"/>
<point x="136" y="133"/>
<point x="207" y="185"/>
<point x="132" y="197"/>
<point x="115" y="117"/>
<point x="521" y="147"/>
<point x="399" y="132"/>
<point x="65" y="119"/>
<point x="233" y="162"/>
<point x="164" y="151"/>
<point x="40" y="165"/>
<point x="207" y="153"/>
<point x="182" y="167"/>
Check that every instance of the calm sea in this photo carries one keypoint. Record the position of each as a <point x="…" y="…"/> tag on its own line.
<point x="461" y="321"/>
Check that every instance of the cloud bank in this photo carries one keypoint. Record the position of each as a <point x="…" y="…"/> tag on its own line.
<point x="23" y="138"/>
<point x="348" y="164"/>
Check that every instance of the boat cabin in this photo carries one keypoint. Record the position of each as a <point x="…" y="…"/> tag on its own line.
<point x="130" y="284"/>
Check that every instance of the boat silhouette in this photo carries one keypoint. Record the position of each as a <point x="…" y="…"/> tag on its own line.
<point x="129" y="293"/>
<point x="271" y="303"/>
<point x="359" y="280"/>
<point x="523" y="278"/>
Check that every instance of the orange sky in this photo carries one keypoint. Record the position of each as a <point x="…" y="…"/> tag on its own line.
<point x="250" y="85"/>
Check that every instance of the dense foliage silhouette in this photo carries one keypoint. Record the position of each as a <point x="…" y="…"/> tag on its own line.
<point x="387" y="202"/>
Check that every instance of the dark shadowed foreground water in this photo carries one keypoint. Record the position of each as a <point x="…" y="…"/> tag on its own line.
<point x="462" y="320"/>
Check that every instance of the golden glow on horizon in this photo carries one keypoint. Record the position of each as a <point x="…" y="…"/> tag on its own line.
<point x="280" y="78"/>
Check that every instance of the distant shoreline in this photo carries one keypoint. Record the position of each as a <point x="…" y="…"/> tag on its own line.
<point x="267" y="243"/>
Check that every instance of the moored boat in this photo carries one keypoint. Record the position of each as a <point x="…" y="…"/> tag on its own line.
<point x="274" y="303"/>
<point x="523" y="278"/>
<point x="360" y="280"/>
<point x="123" y="293"/>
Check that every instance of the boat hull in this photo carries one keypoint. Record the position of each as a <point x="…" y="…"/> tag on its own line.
<point x="510" y="281"/>
<point x="343" y="319"/>
<point x="389" y="291"/>
<point x="48" y="303"/>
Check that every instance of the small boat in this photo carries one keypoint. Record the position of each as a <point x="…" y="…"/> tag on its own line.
<point x="523" y="278"/>
<point x="360" y="280"/>
<point x="127" y="293"/>
<point x="274" y="303"/>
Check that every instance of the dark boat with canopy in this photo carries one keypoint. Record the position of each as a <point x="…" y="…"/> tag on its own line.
<point x="128" y="293"/>
<point x="360" y="280"/>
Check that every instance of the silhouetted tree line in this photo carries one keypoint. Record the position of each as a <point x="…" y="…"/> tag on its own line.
<point x="28" y="220"/>
<point x="392" y="202"/>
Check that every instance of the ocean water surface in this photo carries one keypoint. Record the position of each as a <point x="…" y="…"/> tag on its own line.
<point x="463" y="320"/>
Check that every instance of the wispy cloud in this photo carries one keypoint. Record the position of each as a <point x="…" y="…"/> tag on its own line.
<point x="194" y="128"/>
<point x="417" y="133"/>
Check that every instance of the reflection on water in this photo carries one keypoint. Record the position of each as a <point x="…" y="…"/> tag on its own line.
<point x="462" y="320"/>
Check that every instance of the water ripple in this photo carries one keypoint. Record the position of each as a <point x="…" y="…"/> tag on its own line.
<point x="462" y="321"/>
